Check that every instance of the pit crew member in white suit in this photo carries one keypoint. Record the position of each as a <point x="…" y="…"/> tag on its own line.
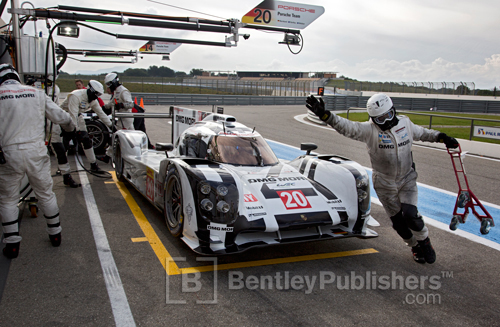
<point x="121" y="101"/>
<point x="76" y="103"/>
<point x="22" y="132"/>
<point x="389" y="139"/>
<point x="54" y="136"/>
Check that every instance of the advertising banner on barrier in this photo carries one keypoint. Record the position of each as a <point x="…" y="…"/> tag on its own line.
<point x="487" y="132"/>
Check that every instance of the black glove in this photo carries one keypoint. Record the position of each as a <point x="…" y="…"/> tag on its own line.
<point x="119" y="106"/>
<point x="449" y="141"/>
<point x="318" y="107"/>
<point x="95" y="117"/>
<point x="106" y="111"/>
<point x="70" y="135"/>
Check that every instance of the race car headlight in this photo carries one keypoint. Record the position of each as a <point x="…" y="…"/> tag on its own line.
<point x="206" y="205"/>
<point x="363" y="188"/>
<point x="222" y="190"/>
<point x="205" y="188"/>
<point x="361" y="195"/>
<point x="361" y="182"/>
<point x="223" y="206"/>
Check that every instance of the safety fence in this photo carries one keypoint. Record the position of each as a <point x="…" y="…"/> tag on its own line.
<point x="168" y="99"/>
<point x="231" y="86"/>
<point x="417" y="104"/>
<point x="332" y="102"/>
<point x="455" y="88"/>
<point x="261" y="87"/>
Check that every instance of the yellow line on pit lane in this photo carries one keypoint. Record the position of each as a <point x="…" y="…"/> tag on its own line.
<point x="277" y="261"/>
<point x="172" y="269"/>
<point x="160" y="251"/>
<point x="139" y="239"/>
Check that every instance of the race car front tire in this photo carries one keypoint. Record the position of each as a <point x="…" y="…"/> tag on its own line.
<point x="172" y="204"/>
<point x="118" y="160"/>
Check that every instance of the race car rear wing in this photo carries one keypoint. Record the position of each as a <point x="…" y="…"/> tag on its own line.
<point x="182" y="118"/>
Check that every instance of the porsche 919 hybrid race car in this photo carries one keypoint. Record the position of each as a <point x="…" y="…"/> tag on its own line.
<point x="222" y="189"/>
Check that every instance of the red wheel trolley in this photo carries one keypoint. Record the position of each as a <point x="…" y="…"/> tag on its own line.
<point x="466" y="199"/>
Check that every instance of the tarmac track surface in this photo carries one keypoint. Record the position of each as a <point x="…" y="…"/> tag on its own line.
<point x="121" y="281"/>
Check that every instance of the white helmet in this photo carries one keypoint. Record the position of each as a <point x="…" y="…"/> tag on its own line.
<point x="112" y="81"/>
<point x="96" y="87"/>
<point x="378" y="105"/>
<point x="8" y="72"/>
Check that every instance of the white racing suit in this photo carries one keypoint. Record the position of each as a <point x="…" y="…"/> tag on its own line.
<point x="76" y="103"/>
<point x="394" y="178"/>
<point x="122" y="95"/>
<point x="22" y="131"/>
<point x="53" y="135"/>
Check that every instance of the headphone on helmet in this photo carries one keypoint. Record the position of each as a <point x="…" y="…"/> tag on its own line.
<point x="7" y="71"/>
<point x="94" y="90"/>
<point x="112" y="81"/>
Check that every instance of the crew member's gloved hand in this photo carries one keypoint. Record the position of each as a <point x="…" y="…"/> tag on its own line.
<point x="106" y="111"/>
<point x="70" y="135"/>
<point x="95" y="117"/>
<point x="449" y="141"/>
<point x="318" y="107"/>
<point x="119" y="106"/>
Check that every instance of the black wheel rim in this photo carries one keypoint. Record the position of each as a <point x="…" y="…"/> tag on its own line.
<point x="96" y="135"/>
<point x="173" y="199"/>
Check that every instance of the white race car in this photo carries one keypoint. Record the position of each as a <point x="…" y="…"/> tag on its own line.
<point x="222" y="189"/>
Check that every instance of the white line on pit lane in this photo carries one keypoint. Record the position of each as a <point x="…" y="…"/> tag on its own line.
<point x="119" y="303"/>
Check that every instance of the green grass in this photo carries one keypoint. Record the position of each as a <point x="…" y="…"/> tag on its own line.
<point x="458" y="128"/>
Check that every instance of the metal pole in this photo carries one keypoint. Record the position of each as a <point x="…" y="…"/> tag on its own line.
<point x="471" y="129"/>
<point x="17" y="39"/>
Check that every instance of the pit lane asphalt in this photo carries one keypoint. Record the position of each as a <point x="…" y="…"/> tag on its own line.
<point x="66" y="286"/>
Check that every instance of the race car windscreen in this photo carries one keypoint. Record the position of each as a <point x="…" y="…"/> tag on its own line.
<point x="236" y="150"/>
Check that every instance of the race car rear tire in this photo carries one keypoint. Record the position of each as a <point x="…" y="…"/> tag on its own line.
<point x="172" y="203"/>
<point x="98" y="133"/>
<point x="118" y="160"/>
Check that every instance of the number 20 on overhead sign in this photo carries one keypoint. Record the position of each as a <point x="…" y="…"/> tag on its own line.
<point x="283" y="14"/>
<point x="294" y="199"/>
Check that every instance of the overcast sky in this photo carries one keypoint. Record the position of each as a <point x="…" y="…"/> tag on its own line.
<point x="383" y="40"/>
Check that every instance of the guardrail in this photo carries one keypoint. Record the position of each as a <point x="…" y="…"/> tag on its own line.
<point x="215" y="99"/>
<point x="339" y="102"/>
<point x="471" y="134"/>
